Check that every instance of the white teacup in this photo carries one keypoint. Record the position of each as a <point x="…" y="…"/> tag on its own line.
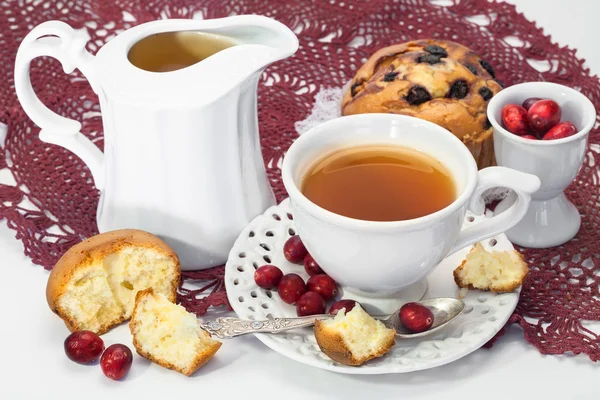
<point x="551" y="219"/>
<point x="380" y="261"/>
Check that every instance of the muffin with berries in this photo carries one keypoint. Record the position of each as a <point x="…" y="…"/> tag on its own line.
<point x="439" y="81"/>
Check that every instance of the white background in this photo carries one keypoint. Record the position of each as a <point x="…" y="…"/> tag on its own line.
<point x="33" y="364"/>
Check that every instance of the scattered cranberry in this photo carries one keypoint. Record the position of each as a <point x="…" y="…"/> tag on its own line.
<point x="562" y="130"/>
<point x="83" y="347"/>
<point x="291" y="287"/>
<point x="416" y="317"/>
<point x="116" y="361"/>
<point x="294" y="250"/>
<point x="310" y="303"/>
<point x="311" y="267"/>
<point x="529" y="102"/>
<point x="543" y="115"/>
<point x="267" y="276"/>
<point x="324" y="285"/>
<point x="529" y="137"/>
<point x="514" y="118"/>
<point x="347" y="305"/>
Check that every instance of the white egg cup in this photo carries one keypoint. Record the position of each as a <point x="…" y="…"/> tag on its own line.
<point x="551" y="219"/>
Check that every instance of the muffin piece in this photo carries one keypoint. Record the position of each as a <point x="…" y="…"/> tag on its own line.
<point x="93" y="285"/>
<point x="439" y="81"/>
<point x="353" y="338"/>
<point x="496" y="271"/>
<point x="165" y="333"/>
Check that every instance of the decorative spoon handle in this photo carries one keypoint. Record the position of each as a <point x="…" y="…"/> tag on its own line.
<point x="228" y="327"/>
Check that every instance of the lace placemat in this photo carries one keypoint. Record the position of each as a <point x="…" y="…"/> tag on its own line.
<point x="48" y="199"/>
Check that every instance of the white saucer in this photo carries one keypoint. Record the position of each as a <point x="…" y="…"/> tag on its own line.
<point x="261" y="242"/>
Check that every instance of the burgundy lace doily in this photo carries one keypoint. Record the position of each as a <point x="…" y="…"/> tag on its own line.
<point x="51" y="204"/>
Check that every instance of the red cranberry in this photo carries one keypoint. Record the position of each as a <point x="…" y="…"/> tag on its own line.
<point x="83" y="347"/>
<point x="291" y="287"/>
<point x="562" y="130"/>
<point x="310" y="303"/>
<point x="116" y="361"/>
<point x="347" y="305"/>
<point x="529" y="102"/>
<point x="324" y="285"/>
<point x="514" y="118"/>
<point x="543" y="115"/>
<point x="529" y="137"/>
<point x="311" y="267"/>
<point x="294" y="250"/>
<point x="416" y="317"/>
<point x="267" y="276"/>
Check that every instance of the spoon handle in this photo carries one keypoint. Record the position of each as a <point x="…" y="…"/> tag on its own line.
<point x="229" y="327"/>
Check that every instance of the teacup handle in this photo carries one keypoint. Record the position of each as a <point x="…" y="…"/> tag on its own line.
<point x="57" y="39"/>
<point x="524" y="185"/>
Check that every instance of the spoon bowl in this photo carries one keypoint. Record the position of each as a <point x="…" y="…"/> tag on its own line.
<point x="444" y="309"/>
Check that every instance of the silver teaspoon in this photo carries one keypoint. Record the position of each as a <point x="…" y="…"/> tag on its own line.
<point x="445" y="310"/>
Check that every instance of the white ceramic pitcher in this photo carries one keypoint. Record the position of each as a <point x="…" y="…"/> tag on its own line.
<point x="182" y="156"/>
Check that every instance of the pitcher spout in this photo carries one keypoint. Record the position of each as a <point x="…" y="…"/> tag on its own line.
<point x="278" y="40"/>
<point x="260" y="41"/>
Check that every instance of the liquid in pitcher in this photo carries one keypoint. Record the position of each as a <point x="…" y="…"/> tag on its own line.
<point x="170" y="51"/>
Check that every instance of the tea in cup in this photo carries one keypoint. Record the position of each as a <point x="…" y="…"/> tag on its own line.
<point x="379" y="183"/>
<point x="379" y="201"/>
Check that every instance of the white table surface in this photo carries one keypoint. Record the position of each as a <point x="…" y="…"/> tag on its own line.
<point x="33" y="364"/>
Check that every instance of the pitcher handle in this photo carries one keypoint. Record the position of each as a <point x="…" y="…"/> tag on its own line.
<point x="524" y="185"/>
<point x="57" y="39"/>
